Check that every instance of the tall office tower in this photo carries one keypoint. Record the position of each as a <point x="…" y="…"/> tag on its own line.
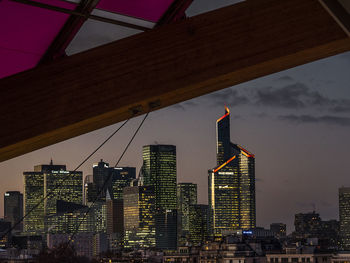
<point x="115" y="220"/>
<point x="87" y="181"/>
<point x="121" y="177"/>
<point x="231" y="183"/>
<point x="186" y="196"/>
<point x="139" y="217"/>
<point x="13" y="209"/>
<point x="166" y="230"/>
<point x="307" y="225"/>
<point x="101" y="172"/>
<point x="118" y="178"/>
<point x="159" y="171"/>
<point x="279" y="229"/>
<point x="198" y="224"/>
<point x="53" y="181"/>
<point x="62" y="185"/>
<point x="344" y="217"/>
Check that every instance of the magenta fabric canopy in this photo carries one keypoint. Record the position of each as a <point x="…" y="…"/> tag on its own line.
<point x="27" y="31"/>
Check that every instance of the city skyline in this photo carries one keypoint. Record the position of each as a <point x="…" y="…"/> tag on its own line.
<point x="286" y="118"/>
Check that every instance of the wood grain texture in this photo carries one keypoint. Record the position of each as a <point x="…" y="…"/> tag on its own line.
<point x="155" y="69"/>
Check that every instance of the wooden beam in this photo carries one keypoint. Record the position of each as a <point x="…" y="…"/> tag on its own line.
<point x="167" y="65"/>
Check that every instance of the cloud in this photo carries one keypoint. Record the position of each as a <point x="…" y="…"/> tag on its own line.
<point x="229" y="97"/>
<point x="292" y="96"/>
<point x="341" y="106"/>
<point x="297" y="96"/>
<point x="333" y="120"/>
<point x="285" y="78"/>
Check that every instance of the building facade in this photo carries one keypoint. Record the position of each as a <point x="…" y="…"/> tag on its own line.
<point x="198" y="224"/>
<point x="55" y="183"/>
<point x="139" y="217"/>
<point x="13" y="209"/>
<point x="159" y="171"/>
<point x="186" y="198"/>
<point x="279" y="229"/>
<point x="344" y="217"/>
<point x="231" y="190"/>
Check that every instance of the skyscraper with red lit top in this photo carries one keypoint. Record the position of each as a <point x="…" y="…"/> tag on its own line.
<point x="231" y="184"/>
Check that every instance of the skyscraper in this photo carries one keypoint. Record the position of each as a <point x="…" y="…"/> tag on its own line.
<point x="121" y="177"/>
<point x="101" y="172"/>
<point x="198" y="224"/>
<point x="62" y="185"/>
<point x="139" y="217"/>
<point x="55" y="182"/>
<point x="118" y="178"/>
<point x="159" y="171"/>
<point x="186" y="196"/>
<point x="231" y="183"/>
<point x="13" y="208"/>
<point x="87" y="190"/>
<point x="344" y="217"/>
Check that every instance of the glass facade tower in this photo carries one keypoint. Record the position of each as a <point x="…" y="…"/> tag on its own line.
<point x="344" y="217"/>
<point x="13" y="208"/>
<point x="139" y="217"/>
<point x="186" y="197"/>
<point x="159" y="171"/>
<point x="53" y="181"/>
<point x="231" y="190"/>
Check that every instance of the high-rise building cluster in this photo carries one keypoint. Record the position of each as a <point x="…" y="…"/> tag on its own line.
<point x="113" y="209"/>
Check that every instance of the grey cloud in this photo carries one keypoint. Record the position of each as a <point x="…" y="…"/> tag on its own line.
<point x="295" y="95"/>
<point x="340" y="106"/>
<point x="229" y="97"/>
<point x="298" y="95"/>
<point x="334" y="120"/>
<point x="285" y="78"/>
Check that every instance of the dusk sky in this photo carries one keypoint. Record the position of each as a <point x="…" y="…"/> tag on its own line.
<point x="296" y="122"/>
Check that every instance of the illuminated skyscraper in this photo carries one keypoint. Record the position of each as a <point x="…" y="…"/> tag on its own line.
<point x="139" y="217"/>
<point x="186" y="196"/>
<point x="344" y="217"/>
<point x="62" y="185"/>
<point x="121" y="177"/>
<point x="159" y="171"/>
<point x="52" y="181"/>
<point x="118" y="178"/>
<point x="89" y="191"/>
<point x="13" y="208"/>
<point x="198" y="224"/>
<point x="231" y="183"/>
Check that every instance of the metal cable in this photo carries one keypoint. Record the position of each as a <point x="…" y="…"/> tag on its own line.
<point x="105" y="182"/>
<point x="47" y="196"/>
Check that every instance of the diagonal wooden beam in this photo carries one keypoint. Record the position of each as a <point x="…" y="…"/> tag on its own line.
<point x="155" y="69"/>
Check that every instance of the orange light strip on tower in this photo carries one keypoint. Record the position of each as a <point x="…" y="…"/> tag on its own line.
<point x="224" y="164"/>
<point x="226" y="114"/>
<point x="245" y="152"/>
